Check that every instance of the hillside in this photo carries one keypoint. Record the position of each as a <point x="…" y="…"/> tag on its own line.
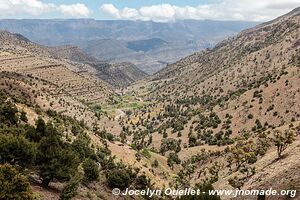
<point x="71" y="57"/>
<point x="52" y="112"/>
<point x="149" y="45"/>
<point x="223" y="118"/>
<point x="214" y="107"/>
<point x="118" y="75"/>
<point x="72" y="79"/>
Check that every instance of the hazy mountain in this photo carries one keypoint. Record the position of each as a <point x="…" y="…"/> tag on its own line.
<point x="149" y="45"/>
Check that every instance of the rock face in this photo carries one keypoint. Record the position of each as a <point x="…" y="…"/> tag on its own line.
<point x="149" y="45"/>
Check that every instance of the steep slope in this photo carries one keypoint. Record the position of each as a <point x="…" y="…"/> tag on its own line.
<point x="79" y="131"/>
<point x="22" y="56"/>
<point x="72" y="53"/>
<point x="253" y="53"/>
<point x="37" y="84"/>
<point x="218" y="111"/>
<point x="118" y="75"/>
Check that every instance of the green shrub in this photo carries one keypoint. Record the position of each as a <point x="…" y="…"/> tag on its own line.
<point x="90" y="169"/>
<point x="120" y="178"/>
<point x="16" y="150"/>
<point x="70" y="189"/>
<point x="13" y="185"/>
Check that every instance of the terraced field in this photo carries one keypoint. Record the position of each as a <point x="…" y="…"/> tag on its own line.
<point x="69" y="78"/>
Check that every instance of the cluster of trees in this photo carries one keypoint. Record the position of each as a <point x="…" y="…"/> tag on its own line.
<point x="45" y="150"/>
<point x="211" y="121"/>
<point x="170" y="144"/>
<point x="205" y="131"/>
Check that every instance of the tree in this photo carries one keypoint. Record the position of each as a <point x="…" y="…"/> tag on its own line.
<point x="40" y="126"/>
<point x="173" y="159"/>
<point x="23" y="116"/>
<point x="16" y="150"/>
<point x="242" y="154"/>
<point x="35" y="134"/>
<point x="14" y="186"/>
<point x="55" y="159"/>
<point x="123" y="137"/>
<point x="8" y="114"/>
<point x="142" y="182"/>
<point x="70" y="189"/>
<point x="282" y="140"/>
<point x="81" y="146"/>
<point x="120" y="178"/>
<point x="90" y="169"/>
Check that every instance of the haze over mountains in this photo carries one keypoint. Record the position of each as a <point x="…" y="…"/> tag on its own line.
<point x="149" y="45"/>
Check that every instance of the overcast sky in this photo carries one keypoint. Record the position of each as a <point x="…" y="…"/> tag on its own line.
<point x="156" y="10"/>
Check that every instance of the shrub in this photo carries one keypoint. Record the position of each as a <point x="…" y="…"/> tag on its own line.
<point x="250" y="116"/>
<point x="155" y="163"/>
<point x="70" y="189"/>
<point x="16" y="150"/>
<point x="54" y="158"/>
<point x="173" y="159"/>
<point x="8" y="114"/>
<point x="14" y="186"/>
<point x="120" y="178"/>
<point x="23" y="116"/>
<point x="142" y="182"/>
<point x="81" y="146"/>
<point x="90" y="169"/>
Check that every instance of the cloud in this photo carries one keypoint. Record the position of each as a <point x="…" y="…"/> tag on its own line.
<point x="111" y="9"/>
<point x="74" y="10"/>
<point x="244" y="10"/>
<point x="37" y="7"/>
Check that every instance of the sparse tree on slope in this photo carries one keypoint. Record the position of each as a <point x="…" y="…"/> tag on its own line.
<point x="282" y="140"/>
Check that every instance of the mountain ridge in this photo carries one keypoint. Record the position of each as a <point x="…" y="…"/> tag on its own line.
<point x="183" y="37"/>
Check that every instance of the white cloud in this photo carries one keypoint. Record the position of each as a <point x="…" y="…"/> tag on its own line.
<point x="37" y="7"/>
<point x="74" y="10"/>
<point x="111" y="9"/>
<point x="250" y="10"/>
<point x="163" y="12"/>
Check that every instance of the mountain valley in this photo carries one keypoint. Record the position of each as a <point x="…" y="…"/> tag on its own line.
<point x="74" y="124"/>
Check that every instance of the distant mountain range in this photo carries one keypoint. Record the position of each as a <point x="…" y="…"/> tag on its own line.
<point x="149" y="45"/>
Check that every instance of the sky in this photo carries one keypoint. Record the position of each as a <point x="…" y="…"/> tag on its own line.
<point x="155" y="10"/>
